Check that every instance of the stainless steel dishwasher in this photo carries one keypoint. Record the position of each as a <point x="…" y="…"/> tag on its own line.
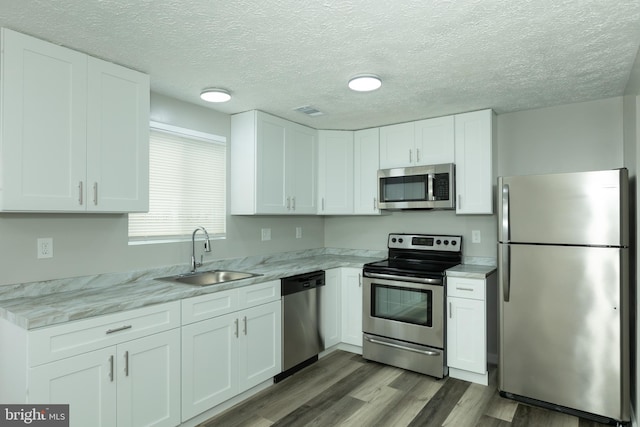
<point x="301" y="338"/>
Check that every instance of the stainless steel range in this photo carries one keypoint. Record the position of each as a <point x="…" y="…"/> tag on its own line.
<point x="403" y="302"/>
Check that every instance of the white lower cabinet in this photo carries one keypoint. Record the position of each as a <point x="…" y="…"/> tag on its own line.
<point x="352" y="306"/>
<point x="331" y="308"/>
<point x="341" y="307"/>
<point x="81" y="381"/>
<point x="114" y="370"/>
<point x="225" y="355"/>
<point x="467" y="329"/>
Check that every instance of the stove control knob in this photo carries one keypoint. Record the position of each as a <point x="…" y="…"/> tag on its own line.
<point x="438" y="242"/>
<point x="393" y="239"/>
<point x="446" y="242"/>
<point x="400" y="240"/>
<point x="453" y="242"/>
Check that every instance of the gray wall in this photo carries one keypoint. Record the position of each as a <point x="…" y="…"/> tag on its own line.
<point x="91" y="244"/>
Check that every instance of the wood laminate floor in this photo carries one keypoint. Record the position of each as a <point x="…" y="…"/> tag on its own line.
<point x="343" y="389"/>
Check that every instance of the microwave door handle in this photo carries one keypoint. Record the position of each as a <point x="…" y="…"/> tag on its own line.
<point x="431" y="179"/>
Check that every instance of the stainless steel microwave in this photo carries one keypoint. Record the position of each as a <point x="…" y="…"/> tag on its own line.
<point x="417" y="187"/>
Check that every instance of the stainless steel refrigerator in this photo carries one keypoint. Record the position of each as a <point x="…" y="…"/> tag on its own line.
<point x="563" y="256"/>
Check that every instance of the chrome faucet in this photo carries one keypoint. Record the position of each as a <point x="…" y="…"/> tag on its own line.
<point x="207" y="248"/>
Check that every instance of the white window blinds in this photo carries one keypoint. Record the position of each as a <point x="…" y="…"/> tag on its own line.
<point x="187" y="185"/>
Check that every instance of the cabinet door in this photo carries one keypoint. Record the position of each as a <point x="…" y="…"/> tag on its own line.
<point x="44" y="95"/>
<point x="434" y="141"/>
<point x="209" y="363"/>
<point x="466" y="337"/>
<point x="397" y="145"/>
<point x="271" y="184"/>
<point x="473" y="153"/>
<point x="118" y="138"/>
<point x="352" y="306"/>
<point x="331" y="307"/>
<point x="260" y="344"/>
<point x="86" y="382"/>
<point x="301" y="169"/>
<point x="335" y="172"/>
<point x="149" y="381"/>
<point x="365" y="171"/>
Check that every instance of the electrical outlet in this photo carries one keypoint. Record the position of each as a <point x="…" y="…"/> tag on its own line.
<point x="45" y="247"/>
<point x="475" y="236"/>
<point x="266" y="234"/>
<point x="298" y="232"/>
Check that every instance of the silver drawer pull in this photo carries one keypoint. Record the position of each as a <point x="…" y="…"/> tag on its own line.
<point x="121" y="328"/>
<point x="464" y="289"/>
<point x="402" y="347"/>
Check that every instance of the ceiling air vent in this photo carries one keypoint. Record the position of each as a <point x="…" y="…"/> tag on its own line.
<point x="309" y="111"/>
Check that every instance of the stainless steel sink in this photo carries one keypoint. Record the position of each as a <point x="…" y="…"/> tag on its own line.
<point x="212" y="277"/>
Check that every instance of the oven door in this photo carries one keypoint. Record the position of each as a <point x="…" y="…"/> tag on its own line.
<point x="402" y="310"/>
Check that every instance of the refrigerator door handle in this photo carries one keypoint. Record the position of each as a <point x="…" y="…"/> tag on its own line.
<point x="506" y="272"/>
<point x="506" y="232"/>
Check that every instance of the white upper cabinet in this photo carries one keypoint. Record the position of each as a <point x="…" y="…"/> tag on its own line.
<point x="425" y="142"/>
<point x="335" y="172"/>
<point x="474" y="160"/>
<point x="366" y="145"/>
<point x="75" y="131"/>
<point x="273" y="165"/>
<point x="117" y="138"/>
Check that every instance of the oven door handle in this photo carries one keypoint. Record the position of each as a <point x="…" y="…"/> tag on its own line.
<point x="404" y="278"/>
<point x="401" y="347"/>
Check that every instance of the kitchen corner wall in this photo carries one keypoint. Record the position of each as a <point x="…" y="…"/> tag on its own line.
<point x="566" y="138"/>
<point x="88" y="244"/>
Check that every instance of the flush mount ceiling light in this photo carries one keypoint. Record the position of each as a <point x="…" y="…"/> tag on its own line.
<point x="365" y="82"/>
<point x="213" y="94"/>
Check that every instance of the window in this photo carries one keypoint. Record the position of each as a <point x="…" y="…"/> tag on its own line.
<point x="187" y="185"/>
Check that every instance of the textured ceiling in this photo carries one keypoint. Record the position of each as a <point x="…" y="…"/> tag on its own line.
<point x="435" y="57"/>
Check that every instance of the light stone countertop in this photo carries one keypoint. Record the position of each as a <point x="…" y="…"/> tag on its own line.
<point x="39" y="304"/>
<point x="471" y="271"/>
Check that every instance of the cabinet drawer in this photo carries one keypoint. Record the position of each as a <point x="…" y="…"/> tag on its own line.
<point x="262" y="293"/>
<point x="70" y="339"/>
<point x="466" y="288"/>
<point x="208" y="306"/>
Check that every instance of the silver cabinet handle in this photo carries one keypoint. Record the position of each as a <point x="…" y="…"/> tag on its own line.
<point x="375" y="203"/>
<point x="293" y="203"/>
<point x="126" y="363"/>
<point x="245" y="325"/>
<point x="359" y="280"/>
<point x="323" y="203"/>
<point x="80" y="193"/>
<point x="417" y="155"/>
<point x="121" y="328"/>
<point x="95" y="193"/>
<point x="111" y="368"/>
<point x="464" y="289"/>
<point x="236" y="322"/>
<point x="450" y="311"/>
<point x="410" y="155"/>
<point x="288" y="203"/>
<point x="460" y="201"/>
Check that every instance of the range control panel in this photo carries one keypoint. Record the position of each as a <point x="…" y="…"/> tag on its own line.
<point x="426" y="242"/>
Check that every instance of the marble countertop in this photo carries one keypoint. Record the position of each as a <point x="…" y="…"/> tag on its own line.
<point x="471" y="271"/>
<point x="41" y="304"/>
